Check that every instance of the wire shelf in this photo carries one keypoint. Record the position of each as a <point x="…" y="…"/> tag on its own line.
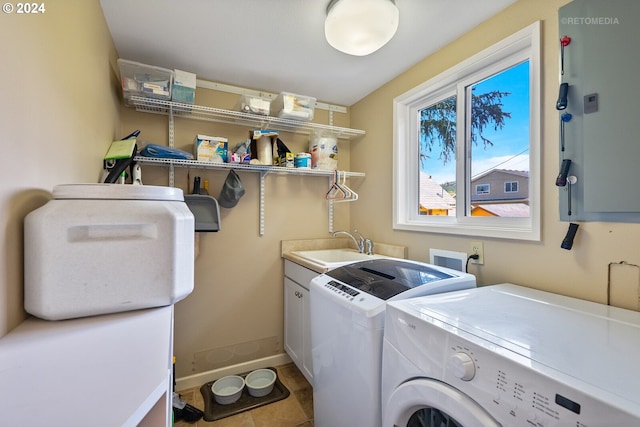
<point x="198" y="112"/>
<point x="240" y="167"/>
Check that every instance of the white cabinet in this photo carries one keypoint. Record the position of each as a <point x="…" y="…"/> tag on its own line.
<point x="297" y="316"/>
<point x="294" y="301"/>
<point x="110" y="370"/>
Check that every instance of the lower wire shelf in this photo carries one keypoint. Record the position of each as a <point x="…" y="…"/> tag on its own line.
<point x="262" y="169"/>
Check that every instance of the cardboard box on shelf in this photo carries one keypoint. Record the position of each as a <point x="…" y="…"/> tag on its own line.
<point x="262" y="146"/>
<point x="211" y="149"/>
<point x="184" y="87"/>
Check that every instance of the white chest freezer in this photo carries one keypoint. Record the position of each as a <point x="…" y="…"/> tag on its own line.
<point x="106" y="248"/>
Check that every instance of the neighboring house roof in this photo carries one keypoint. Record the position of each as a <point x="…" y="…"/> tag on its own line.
<point x="507" y="171"/>
<point x="432" y="195"/>
<point x="509" y="210"/>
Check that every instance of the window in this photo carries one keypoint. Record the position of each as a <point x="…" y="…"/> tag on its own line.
<point x="511" y="187"/>
<point x="474" y="125"/>
<point x="483" y="189"/>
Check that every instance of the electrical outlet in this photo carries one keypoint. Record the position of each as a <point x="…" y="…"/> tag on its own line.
<point x="477" y="248"/>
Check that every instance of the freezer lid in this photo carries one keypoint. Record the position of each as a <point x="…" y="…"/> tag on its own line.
<point x="116" y="192"/>
<point x="385" y="278"/>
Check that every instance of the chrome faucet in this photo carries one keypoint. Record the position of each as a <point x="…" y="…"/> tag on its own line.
<point x="363" y="245"/>
<point x="369" y="246"/>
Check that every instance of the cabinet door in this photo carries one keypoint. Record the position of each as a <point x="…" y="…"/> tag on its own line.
<point x="293" y="320"/>
<point x="307" y="367"/>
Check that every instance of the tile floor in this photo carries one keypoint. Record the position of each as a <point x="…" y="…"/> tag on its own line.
<point x="294" y="411"/>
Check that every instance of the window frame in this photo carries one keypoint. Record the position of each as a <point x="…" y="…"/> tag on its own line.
<point x="478" y="193"/>
<point x="510" y="184"/>
<point x="521" y="46"/>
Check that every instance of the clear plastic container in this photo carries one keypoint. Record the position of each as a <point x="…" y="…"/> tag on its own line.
<point x="291" y="106"/>
<point x="254" y="105"/>
<point x="145" y="80"/>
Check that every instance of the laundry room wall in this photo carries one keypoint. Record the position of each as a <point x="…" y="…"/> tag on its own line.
<point x="581" y="272"/>
<point x="58" y="115"/>
<point x="61" y="108"/>
<point x="235" y="313"/>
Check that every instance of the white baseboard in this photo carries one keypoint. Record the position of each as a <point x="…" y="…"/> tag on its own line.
<point x="197" y="380"/>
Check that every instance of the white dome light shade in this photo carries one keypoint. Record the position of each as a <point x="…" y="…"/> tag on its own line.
<point x="360" y="27"/>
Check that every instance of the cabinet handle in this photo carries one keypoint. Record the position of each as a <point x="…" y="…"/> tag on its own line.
<point x="298" y="294"/>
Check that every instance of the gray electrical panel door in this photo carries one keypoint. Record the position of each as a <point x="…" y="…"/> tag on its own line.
<point x="602" y="138"/>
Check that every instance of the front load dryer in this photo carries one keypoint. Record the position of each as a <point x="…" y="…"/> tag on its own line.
<point x="505" y="355"/>
<point x="347" y="325"/>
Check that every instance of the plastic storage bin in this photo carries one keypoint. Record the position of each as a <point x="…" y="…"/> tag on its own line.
<point x="145" y="80"/>
<point x="106" y="248"/>
<point x="291" y="106"/>
<point x="254" y="105"/>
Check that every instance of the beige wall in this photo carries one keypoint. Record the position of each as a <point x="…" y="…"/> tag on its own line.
<point x="581" y="272"/>
<point x="235" y="313"/>
<point x="58" y="114"/>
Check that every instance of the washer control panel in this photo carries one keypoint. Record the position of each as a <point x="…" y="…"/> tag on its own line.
<point x="342" y="290"/>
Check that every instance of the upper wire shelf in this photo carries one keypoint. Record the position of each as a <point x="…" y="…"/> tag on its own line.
<point x="199" y="112"/>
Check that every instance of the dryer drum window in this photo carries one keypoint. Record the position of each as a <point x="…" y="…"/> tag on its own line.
<point x="431" y="417"/>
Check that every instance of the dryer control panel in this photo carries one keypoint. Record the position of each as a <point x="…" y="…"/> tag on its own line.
<point x="517" y="394"/>
<point x="510" y="385"/>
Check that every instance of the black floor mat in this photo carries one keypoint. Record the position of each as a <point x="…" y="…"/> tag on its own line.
<point x="214" y="411"/>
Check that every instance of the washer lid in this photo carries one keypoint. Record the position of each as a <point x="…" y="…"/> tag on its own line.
<point x="386" y="278"/>
<point x="117" y="192"/>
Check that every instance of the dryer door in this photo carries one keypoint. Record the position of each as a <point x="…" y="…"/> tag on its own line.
<point x="429" y="403"/>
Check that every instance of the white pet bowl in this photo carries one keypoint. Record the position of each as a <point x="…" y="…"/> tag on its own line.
<point x="260" y="382"/>
<point x="227" y="389"/>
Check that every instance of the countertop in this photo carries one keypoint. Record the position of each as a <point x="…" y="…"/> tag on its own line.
<point x="289" y="246"/>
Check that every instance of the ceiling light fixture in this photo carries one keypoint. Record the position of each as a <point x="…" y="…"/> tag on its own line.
<point x="360" y="27"/>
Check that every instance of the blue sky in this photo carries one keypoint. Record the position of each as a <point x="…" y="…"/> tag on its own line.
<point x="511" y="143"/>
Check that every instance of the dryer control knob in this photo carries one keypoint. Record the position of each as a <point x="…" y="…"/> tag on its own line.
<point x="462" y="366"/>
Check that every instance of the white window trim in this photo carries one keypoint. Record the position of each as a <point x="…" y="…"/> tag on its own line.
<point x="511" y="190"/>
<point x="405" y="164"/>
<point x="485" y="192"/>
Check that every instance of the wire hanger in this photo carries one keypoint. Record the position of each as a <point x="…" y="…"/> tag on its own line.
<point x="339" y="191"/>
<point x="335" y="192"/>
<point x="352" y="194"/>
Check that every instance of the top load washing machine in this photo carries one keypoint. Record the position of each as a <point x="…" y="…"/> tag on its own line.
<point x="506" y="355"/>
<point x="347" y="320"/>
